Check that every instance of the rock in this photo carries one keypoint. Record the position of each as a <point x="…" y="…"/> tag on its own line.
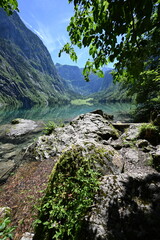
<point x="5" y="170"/>
<point x="7" y="146"/>
<point x="127" y="208"/>
<point x="5" y="212"/>
<point x="19" y="130"/>
<point x="100" y="112"/>
<point x="89" y="128"/>
<point x="156" y="158"/>
<point x="21" y="127"/>
<point x="132" y="156"/>
<point x="10" y="155"/>
<point x="27" y="236"/>
<point x="141" y="143"/>
<point x="117" y="144"/>
<point x="131" y="133"/>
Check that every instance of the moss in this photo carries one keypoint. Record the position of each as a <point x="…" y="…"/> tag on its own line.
<point x="150" y="132"/>
<point x="15" y="121"/>
<point x="70" y="193"/>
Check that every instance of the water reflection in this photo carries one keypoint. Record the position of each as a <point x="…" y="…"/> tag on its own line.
<point x="64" y="113"/>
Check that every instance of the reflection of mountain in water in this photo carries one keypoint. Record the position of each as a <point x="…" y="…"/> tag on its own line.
<point x="64" y="113"/>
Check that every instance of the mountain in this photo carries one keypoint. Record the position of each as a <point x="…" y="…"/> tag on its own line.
<point x="114" y="93"/>
<point x="27" y="73"/>
<point x="74" y="78"/>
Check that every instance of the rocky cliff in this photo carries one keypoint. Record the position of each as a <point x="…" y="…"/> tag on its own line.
<point x="27" y="73"/>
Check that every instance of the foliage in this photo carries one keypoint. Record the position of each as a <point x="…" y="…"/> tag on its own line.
<point x="124" y="31"/>
<point x="49" y="127"/>
<point x="6" y="230"/>
<point x="150" y="132"/>
<point x="9" y="6"/>
<point x="113" y="30"/>
<point x="70" y="194"/>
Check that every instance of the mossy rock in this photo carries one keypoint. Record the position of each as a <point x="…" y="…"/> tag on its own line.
<point x="150" y="132"/>
<point x="71" y="191"/>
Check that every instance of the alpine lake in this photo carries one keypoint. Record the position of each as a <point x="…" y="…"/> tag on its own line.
<point x="65" y="113"/>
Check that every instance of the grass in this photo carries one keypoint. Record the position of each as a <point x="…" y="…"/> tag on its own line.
<point x="82" y="101"/>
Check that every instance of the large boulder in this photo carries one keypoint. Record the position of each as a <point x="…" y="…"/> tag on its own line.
<point x="87" y="128"/>
<point x="126" y="208"/>
<point x="126" y="204"/>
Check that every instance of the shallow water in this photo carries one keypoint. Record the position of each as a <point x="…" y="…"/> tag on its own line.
<point x="64" y="113"/>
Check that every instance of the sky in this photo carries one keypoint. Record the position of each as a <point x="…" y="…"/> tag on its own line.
<point x="49" y="20"/>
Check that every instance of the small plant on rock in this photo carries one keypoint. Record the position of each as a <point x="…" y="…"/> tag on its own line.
<point x="49" y="127"/>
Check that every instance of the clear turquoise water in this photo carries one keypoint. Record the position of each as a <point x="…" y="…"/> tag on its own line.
<point x="64" y="113"/>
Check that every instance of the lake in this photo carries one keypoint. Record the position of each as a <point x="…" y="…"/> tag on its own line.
<point x="64" y="113"/>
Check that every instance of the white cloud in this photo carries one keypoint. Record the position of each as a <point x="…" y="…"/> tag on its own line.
<point x="49" y="37"/>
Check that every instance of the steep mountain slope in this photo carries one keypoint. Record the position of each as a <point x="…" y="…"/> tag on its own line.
<point x="27" y="73"/>
<point x="73" y="76"/>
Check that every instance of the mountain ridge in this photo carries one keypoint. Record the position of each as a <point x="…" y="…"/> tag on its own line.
<point x="75" y="79"/>
<point x="27" y="73"/>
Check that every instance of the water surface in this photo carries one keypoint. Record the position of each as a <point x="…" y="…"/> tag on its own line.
<point x="64" y="113"/>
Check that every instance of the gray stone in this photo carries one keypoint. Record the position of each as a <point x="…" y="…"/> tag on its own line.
<point x="126" y="208"/>
<point x="5" y="212"/>
<point x="141" y="143"/>
<point x="5" y="169"/>
<point x="89" y="128"/>
<point x="27" y="236"/>
<point x="132" y="133"/>
<point x="22" y="127"/>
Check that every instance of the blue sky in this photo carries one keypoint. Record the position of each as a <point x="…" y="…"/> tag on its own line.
<point x="49" y="20"/>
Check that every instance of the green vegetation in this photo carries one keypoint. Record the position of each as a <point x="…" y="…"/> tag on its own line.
<point x="27" y="78"/>
<point x="49" y="127"/>
<point x="126" y="31"/>
<point x="82" y="101"/>
<point x="70" y="193"/>
<point x="9" y="6"/>
<point x="150" y="132"/>
<point x="6" y="230"/>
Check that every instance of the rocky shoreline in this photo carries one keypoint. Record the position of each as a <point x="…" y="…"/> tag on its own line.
<point x="127" y="204"/>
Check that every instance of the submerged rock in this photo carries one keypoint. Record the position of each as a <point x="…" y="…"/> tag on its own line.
<point x="14" y="137"/>
<point x="19" y="130"/>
